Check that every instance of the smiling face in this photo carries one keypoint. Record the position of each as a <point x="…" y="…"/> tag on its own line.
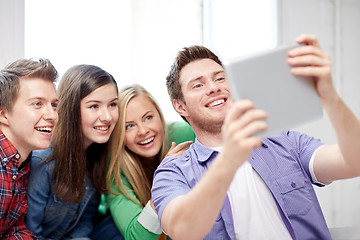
<point x="99" y="114"/>
<point x="144" y="130"/>
<point x="30" y="123"/>
<point x="206" y="93"/>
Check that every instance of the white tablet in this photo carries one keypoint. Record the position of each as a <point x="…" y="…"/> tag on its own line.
<point x="266" y="80"/>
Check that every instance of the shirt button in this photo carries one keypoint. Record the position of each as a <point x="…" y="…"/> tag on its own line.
<point x="17" y="156"/>
<point x="293" y="185"/>
<point x="5" y="160"/>
<point x="14" y="177"/>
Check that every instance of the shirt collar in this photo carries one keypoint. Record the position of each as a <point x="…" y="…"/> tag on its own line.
<point x="203" y="153"/>
<point x="7" y="150"/>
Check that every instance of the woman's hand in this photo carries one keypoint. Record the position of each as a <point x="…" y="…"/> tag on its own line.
<point x="177" y="150"/>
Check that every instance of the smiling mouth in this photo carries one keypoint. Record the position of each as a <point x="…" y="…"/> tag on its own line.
<point x="147" y="141"/>
<point x="216" y="103"/>
<point x="44" y="129"/>
<point x="102" y="128"/>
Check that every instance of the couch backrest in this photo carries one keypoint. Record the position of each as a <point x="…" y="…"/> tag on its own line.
<point x="180" y="131"/>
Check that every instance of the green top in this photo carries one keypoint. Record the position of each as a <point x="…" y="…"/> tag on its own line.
<point x="125" y="213"/>
<point x="178" y="132"/>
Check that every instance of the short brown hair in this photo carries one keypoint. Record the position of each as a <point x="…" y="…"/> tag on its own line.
<point x="22" y="68"/>
<point x="185" y="56"/>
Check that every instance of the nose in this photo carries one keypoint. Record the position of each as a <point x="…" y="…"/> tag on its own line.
<point x="50" y="113"/>
<point x="212" y="87"/>
<point x="142" y="129"/>
<point x="105" y="115"/>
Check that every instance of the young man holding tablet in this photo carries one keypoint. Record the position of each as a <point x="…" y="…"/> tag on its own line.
<point x="232" y="184"/>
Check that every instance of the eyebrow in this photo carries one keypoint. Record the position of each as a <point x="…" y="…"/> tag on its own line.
<point x="218" y="72"/>
<point x="146" y="114"/>
<point x="198" y="78"/>
<point x="194" y="80"/>
<point x="97" y="101"/>
<point x="41" y="98"/>
<point x="126" y="122"/>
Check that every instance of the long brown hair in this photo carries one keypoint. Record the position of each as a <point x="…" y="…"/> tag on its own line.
<point x="125" y="161"/>
<point x="73" y="164"/>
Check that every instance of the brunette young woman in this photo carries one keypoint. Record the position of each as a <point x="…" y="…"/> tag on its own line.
<point x="67" y="179"/>
<point x="139" y="143"/>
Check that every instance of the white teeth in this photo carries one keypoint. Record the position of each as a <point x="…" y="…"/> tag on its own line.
<point x="102" y="128"/>
<point x="44" y="129"/>
<point x="147" y="141"/>
<point x="217" y="102"/>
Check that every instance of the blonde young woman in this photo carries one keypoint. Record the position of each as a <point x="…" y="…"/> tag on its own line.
<point x="139" y="144"/>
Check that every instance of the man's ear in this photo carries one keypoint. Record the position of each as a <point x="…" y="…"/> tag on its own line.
<point x="180" y="107"/>
<point x="3" y="116"/>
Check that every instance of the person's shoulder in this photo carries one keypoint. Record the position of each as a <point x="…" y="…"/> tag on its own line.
<point x="176" y="161"/>
<point x="286" y="135"/>
<point x="125" y="180"/>
<point x="38" y="156"/>
<point x="42" y="153"/>
<point x="290" y="140"/>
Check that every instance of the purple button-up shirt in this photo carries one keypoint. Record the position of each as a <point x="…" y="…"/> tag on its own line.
<point x="283" y="164"/>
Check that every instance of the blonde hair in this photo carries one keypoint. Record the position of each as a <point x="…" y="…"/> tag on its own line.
<point x="125" y="161"/>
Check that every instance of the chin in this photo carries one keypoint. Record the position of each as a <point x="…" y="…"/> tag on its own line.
<point x="102" y="140"/>
<point x="42" y="146"/>
<point x="148" y="155"/>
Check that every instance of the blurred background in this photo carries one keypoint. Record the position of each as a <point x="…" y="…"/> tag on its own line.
<point x="137" y="40"/>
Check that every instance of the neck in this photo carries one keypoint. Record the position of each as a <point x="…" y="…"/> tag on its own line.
<point x="209" y="134"/>
<point x="24" y="153"/>
<point x="149" y="165"/>
<point x="147" y="162"/>
<point x="208" y="139"/>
